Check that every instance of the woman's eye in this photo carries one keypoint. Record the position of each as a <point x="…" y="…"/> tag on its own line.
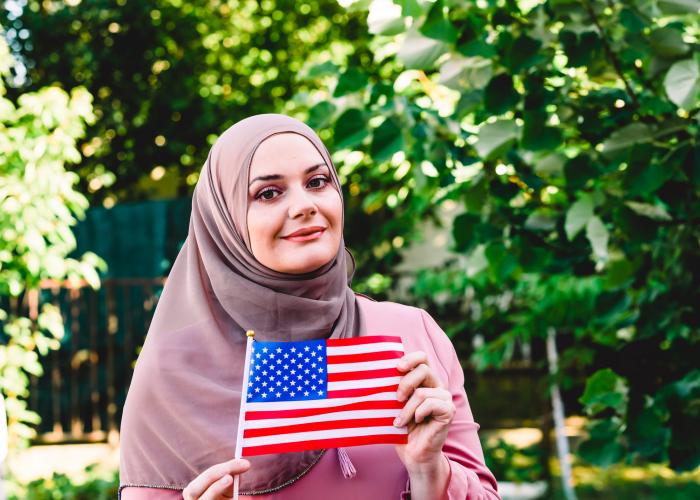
<point x="266" y="194"/>
<point x="322" y="179"/>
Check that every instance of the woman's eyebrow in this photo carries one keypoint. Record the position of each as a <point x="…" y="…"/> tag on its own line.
<point x="277" y="176"/>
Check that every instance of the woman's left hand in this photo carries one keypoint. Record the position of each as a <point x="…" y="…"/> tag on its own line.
<point x="428" y="413"/>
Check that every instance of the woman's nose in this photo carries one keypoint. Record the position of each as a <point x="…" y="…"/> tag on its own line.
<point x="301" y="203"/>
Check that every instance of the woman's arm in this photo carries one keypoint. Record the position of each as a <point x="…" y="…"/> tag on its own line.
<point x="469" y="476"/>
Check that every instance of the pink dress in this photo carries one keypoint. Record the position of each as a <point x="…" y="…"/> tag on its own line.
<point x="380" y="473"/>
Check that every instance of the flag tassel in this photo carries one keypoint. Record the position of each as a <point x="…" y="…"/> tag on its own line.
<point x="346" y="464"/>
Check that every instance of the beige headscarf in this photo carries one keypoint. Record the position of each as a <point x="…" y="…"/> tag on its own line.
<point x="181" y="413"/>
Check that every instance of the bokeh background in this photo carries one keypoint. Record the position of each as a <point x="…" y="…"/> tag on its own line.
<point x="526" y="170"/>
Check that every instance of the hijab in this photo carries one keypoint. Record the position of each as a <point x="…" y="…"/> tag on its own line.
<point x="181" y="413"/>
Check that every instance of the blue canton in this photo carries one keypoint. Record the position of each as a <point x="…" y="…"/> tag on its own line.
<point x="288" y="371"/>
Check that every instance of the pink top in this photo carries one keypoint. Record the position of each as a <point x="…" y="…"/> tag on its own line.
<point x="380" y="473"/>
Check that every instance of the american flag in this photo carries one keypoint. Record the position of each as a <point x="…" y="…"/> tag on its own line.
<point x="322" y="394"/>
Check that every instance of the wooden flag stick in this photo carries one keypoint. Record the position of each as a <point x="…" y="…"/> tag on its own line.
<point x="241" y="416"/>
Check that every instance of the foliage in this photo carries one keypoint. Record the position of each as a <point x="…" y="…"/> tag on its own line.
<point x="562" y="134"/>
<point x="510" y="463"/>
<point x="565" y="136"/>
<point x="169" y="76"/>
<point x="94" y="486"/>
<point x="38" y="204"/>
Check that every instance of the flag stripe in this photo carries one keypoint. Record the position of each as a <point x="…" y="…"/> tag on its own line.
<point x="364" y="374"/>
<point x="305" y="412"/>
<point x="319" y="426"/>
<point x="365" y="356"/>
<point x="367" y="365"/>
<point x="315" y="403"/>
<point x="324" y="443"/>
<point x="328" y="417"/>
<point x="356" y="349"/>
<point x="362" y="391"/>
<point x="362" y="340"/>
<point x="327" y="434"/>
<point x="372" y="382"/>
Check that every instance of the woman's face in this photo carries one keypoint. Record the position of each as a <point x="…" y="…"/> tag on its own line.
<point x="294" y="212"/>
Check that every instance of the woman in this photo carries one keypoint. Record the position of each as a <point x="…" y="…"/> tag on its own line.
<point x="265" y="251"/>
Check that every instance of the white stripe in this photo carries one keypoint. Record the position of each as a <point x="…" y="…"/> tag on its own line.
<point x="329" y="434"/>
<point x="327" y="417"/>
<point x="363" y="365"/>
<point x="363" y="348"/>
<point x="318" y="403"/>
<point x="358" y="384"/>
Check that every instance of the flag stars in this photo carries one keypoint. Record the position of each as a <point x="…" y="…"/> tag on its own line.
<point x="265" y="349"/>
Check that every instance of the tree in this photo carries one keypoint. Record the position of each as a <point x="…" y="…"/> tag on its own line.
<point x="169" y="76"/>
<point x="566" y="132"/>
<point x="38" y="205"/>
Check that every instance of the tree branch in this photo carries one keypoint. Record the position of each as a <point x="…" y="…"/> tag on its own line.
<point x="610" y="53"/>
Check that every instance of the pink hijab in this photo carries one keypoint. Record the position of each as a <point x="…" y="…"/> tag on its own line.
<point x="181" y="413"/>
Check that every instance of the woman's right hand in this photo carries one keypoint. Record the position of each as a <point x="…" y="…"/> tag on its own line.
<point x="216" y="482"/>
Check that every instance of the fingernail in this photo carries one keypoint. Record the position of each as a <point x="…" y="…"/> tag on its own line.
<point x="226" y="479"/>
<point x="397" y="421"/>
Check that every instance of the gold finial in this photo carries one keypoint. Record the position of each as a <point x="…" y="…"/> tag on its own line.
<point x="250" y="333"/>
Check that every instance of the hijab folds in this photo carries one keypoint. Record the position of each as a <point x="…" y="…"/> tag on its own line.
<point x="181" y="413"/>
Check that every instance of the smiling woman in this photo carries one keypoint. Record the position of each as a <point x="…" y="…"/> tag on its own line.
<point x="266" y="252"/>
<point x="295" y="214"/>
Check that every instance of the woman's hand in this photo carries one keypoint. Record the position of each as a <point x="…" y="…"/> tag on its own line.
<point x="428" y="413"/>
<point x="216" y="482"/>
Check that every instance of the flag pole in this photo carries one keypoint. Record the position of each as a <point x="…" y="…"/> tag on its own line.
<point x="241" y="416"/>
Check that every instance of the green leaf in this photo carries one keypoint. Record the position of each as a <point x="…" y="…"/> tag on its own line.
<point x="598" y="236"/>
<point x="500" y="95"/>
<point x="412" y="8"/>
<point x="495" y="138"/>
<point x="605" y="389"/>
<point x="643" y="178"/>
<point x="682" y="83"/>
<point x="656" y="212"/>
<point x="350" y="129"/>
<point x="350" y="81"/>
<point x="386" y="140"/>
<point x="537" y="136"/>
<point x="623" y="139"/>
<point x="420" y="52"/>
<point x="601" y="452"/>
<point x="437" y="25"/>
<point x="321" y="114"/>
<point x="462" y="73"/>
<point x="679" y="6"/>
<point x="668" y="43"/>
<point x="578" y="216"/>
<point x="385" y="18"/>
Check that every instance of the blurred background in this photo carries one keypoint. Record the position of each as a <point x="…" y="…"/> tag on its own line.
<point x="526" y="170"/>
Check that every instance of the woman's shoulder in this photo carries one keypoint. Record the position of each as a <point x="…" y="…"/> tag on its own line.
<point x="415" y="325"/>
<point x="386" y="307"/>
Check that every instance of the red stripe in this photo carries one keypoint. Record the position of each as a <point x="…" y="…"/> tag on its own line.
<point x="305" y="412"/>
<point x="319" y="426"/>
<point x="364" y="391"/>
<point x="318" y="444"/>
<point x="365" y="356"/>
<point x="385" y="372"/>
<point x="361" y="340"/>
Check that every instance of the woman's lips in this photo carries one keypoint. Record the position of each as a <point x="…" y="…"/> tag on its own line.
<point x="306" y="237"/>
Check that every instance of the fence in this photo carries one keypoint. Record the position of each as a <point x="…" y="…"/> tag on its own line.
<point x="84" y="385"/>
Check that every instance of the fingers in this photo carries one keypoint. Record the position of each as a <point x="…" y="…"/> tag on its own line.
<point x="442" y="407"/>
<point x="411" y="360"/>
<point x="220" y="488"/>
<point x="218" y="472"/>
<point x="420" y="376"/>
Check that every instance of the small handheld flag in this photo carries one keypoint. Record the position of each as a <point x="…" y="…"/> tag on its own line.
<point x="320" y="394"/>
